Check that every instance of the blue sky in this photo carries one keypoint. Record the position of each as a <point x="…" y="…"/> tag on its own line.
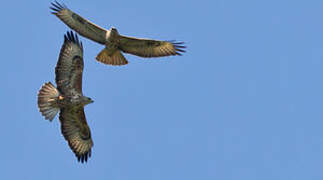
<point x="245" y="102"/>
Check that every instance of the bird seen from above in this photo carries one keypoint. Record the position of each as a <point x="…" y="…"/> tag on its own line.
<point x="113" y="41"/>
<point x="68" y="98"/>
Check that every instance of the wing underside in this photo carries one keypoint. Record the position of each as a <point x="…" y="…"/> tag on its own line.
<point x="78" y="23"/>
<point x="77" y="132"/>
<point x="69" y="68"/>
<point x="150" y="48"/>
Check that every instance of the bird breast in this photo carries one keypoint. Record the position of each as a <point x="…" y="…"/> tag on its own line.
<point x="111" y="37"/>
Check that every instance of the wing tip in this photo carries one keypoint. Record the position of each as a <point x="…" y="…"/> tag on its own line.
<point x="57" y="7"/>
<point x="73" y="37"/>
<point x="179" y="47"/>
<point x="82" y="158"/>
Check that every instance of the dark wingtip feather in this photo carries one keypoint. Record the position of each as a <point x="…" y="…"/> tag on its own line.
<point x="178" y="43"/>
<point x="54" y="10"/>
<point x="56" y="7"/>
<point x="65" y="38"/>
<point x="178" y="47"/>
<point x="83" y="157"/>
<point x="73" y="37"/>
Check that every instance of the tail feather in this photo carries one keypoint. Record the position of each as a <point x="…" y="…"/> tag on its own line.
<point x="116" y="58"/>
<point x="47" y="101"/>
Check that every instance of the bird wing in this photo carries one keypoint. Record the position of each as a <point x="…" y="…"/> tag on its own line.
<point x="76" y="131"/>
<point x="149" y="47"/>
<point x="79" y="24"/>
<point x="69" y="68"/>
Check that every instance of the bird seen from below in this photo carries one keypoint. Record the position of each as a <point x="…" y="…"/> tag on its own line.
<point x="115" y="43"/>
<point x="68" y="98"/>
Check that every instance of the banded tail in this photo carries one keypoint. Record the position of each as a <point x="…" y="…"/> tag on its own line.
<point x="112" y="58"/>
<point x="47" y="101"/>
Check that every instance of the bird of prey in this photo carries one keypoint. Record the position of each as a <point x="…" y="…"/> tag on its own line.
<point x="68" y="98"/>
<point x="113" y="41"/>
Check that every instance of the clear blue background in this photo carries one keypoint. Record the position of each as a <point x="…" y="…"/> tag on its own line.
<point x="245" y="102"/>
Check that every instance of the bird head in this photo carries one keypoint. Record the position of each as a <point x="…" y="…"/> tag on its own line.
<point x="114" y="30"/>
<point x="87" y="100"/>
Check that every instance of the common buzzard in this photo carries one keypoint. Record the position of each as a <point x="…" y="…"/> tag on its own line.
<point x="68" y="98"/>
<point x="113" y="41"/>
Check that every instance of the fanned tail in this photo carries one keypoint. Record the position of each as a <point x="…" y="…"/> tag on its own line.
<point x="116" y="58"/>
<point x="47" y="101"/>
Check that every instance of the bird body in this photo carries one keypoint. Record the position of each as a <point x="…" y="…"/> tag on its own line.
<point x="72" y="101"/>
<point x="115" y="43"/>
<point x="68" y="98"/>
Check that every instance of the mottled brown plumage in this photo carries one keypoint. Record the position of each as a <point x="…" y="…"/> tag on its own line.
<point x="113" y="41"/>
<point x="68" y="98"/>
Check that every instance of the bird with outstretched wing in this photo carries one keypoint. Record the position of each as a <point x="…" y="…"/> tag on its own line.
<point x="113" y="41"/>
<point x="68" y="98"/>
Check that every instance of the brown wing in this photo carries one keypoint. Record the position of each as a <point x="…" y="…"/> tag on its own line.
<point x="69" y="68"/>
<point x="79" y="24"/>
<point x="150" y="48"/>
<point x="76" y="131"/>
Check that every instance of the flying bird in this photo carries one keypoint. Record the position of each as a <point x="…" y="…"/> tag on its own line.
<point x="113" y="41"/>
<point x="68" y="98"/>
